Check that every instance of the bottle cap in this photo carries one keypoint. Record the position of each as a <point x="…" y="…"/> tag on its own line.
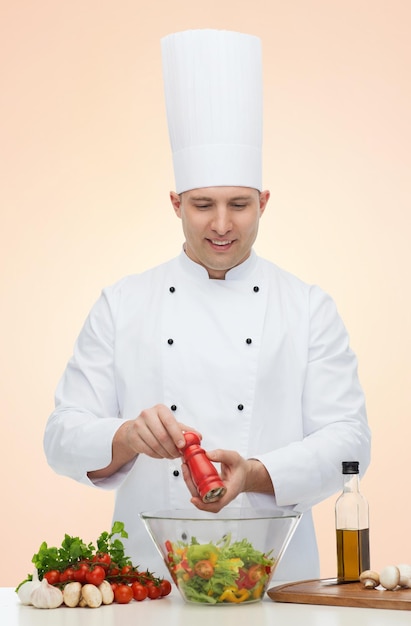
<point x="350" y="467"/>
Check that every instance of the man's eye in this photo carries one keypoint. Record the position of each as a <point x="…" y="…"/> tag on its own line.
<point x="239" y="206"/>
<point x="202" y="206"/>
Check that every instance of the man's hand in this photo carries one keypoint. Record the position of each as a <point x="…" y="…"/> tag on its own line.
<point x="238" y="475"/>
<point x="155" y="432"/>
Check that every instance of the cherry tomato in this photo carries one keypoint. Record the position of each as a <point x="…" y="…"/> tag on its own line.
<point x="165" y="587"/>
<point x="96" y="575"/>
<point x="103" y="559"/>
<point x="52" y="577"/>
<point x="204" y="569"/>
<point x="153" y="591"/>
<point x="80" y="573"/>
<point x="140" y="592"/>
<point x="113" y="570"/>
<point x="67" y="575"/>
<point x="123" y="594"/>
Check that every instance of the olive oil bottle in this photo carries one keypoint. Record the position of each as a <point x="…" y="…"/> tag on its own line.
<point x="352" y="527"/>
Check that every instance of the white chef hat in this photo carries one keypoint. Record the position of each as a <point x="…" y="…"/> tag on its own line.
<point x="213" y="93"/>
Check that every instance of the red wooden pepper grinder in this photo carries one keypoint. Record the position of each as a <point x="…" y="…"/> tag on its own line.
<point x="203" y="473"/>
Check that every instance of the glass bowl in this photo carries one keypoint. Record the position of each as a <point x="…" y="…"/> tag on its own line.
<point x="224" y="558"/>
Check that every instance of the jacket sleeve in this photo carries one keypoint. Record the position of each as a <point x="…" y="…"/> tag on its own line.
<point x="334" y="420"/>
<point x="76" y="439"/>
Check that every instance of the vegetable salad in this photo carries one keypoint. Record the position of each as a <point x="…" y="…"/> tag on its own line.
<point x="221" y="572"/>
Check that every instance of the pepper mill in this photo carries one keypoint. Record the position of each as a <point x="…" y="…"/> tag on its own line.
<point x="203" y="473"/>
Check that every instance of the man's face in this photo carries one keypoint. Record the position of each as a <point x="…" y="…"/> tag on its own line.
<point x="220" y="225"/>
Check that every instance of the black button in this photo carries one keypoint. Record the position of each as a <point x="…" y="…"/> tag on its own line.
<point x="170" y="342"/>
<point x="240" y="407"/>
<point x="176" y="473"/>
<point x="184" y="536"/>
<point x="256" y="289"/>
<point x="172" y="289"/>
<point x="173" y="407"/>
<point x="248" y="340"/>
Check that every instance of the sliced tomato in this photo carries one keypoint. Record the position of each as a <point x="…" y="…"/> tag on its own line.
<point x="204" y="569"/>
<point x="256" y="572"/>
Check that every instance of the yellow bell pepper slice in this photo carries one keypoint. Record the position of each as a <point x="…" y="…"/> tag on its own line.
<point x="233" y="594"/>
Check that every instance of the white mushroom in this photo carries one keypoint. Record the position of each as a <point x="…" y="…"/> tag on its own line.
<point x="370" y="579"/>
<point x="72" y="594"/>
<point x="405" y="575"/>
<point x="390" y="577"/>
<point x="107" y="592"/>
<point x="90" y="596"/>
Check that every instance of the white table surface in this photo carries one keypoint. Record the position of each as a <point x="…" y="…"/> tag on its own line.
<point x="172" y="611"/>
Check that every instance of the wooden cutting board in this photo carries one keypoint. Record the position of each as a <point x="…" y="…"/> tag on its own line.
<point x="329" y="592"/>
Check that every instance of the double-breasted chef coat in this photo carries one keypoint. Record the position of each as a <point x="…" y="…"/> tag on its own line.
<point x="259" y="363"/>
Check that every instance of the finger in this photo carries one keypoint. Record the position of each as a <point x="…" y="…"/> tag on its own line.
<point x="142" y="440"/>
<point x="152" y="429"/>
<point x="188" y="480"/>
<point x="190" y="429"/>
<point x="209" y="507"/>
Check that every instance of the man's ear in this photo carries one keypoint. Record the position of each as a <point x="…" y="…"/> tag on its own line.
<point x="264" y="198"/>
<point x="176" y="202"/>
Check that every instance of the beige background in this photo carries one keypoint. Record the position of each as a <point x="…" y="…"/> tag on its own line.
<point x="85" y="175"/>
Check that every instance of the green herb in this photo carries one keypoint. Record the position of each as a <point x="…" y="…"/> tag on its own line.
<point x="73" y="550"/>
<point x="114" y="547"/>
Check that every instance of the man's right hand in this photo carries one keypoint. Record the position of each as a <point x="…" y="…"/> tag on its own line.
<point x="154" y="432"/>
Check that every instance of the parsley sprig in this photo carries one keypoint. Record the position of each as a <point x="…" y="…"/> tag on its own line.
<point x="73" y="550"/>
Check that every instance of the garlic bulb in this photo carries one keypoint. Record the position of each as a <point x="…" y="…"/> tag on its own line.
<point x="26" y="589"/>
<point x="46" y="596"/>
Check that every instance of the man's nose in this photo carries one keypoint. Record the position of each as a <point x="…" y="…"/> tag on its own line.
<point x="221" y="221"/>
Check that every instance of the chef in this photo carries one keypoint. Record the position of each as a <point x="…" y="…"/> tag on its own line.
<point x="217" y="340"/>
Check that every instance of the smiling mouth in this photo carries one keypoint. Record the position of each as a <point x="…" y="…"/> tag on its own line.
<point x="221" y="243"/>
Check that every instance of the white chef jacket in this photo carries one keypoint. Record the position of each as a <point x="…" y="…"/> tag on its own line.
<point x="259" y="363"/>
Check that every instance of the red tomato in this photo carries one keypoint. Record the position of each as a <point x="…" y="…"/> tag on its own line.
<point x="114" y="570"/>
<point x="145" y="577"/>
<point x="96" y="575"/>
<point x="256" y="572"/>
<point x="165" y="587"/>
<point x="204" y="569"/>
<point x="140" y="592"/>
<point x="129" y="573"/>
<point x="80" y="573"/>
<point x="103" y="559"/>
<point x="67" y="575"/>
<point x="153" y="591"/>
<point x="52" y="577"/>
<point x="123" y="594"/>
